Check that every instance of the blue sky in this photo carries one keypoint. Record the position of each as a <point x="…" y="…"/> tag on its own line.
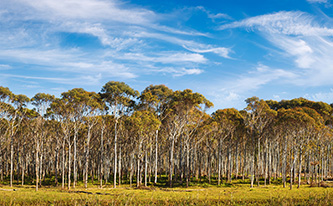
<point x="226" y="50"/>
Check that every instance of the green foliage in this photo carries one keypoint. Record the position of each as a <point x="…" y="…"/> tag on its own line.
<point x="119" y="95"/>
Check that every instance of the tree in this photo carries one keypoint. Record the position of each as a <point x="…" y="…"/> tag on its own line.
<point x="181" y="104"/>
<point x="119" y="97"/>
<point x="156" y="98"/>
<point x="257" y="119"/>
<point x="41" y="101"/>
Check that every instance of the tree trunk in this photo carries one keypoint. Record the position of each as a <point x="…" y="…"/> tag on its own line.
<point x="37" y="164"/>
<point x="69" y="163"/>
<point x="75" y="158"/>
<point x="284" y="163"/>
<point x="63" y="165"/>
<point x="220" y="162"/>
<point x="156" y="156"/>
<point x="146" y="167"/>
<point x="300" y="168"/>
<point x="115" y="156"/>
<point x="87" y="144"/>
<point x="101" y="165"/>
<point x="119" y="167"/>
<point x="11" y="159"/>
<point x="171" y="161"/>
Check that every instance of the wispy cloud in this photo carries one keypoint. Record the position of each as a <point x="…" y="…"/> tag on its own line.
<point x="302" y="39"/>
<point x="317" y="1"/>
<point x="321" y="96"/>
<point x="165" y="58"/>
<point x="86" y="80"/>
<point x="232" y="92"/>
<point x="178" y="72"/>
<point x="129" y="36"/>
<point x="212" y="15"/>
<point x="284" y="22"/>
<point x="4" y="67"/>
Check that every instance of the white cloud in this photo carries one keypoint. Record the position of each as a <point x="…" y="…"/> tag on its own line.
<point x="298" y="48"/>
<point x="187" y="44"/>
<point x="232" y="92"/>
<point x="90" y="10"/>
<point x="284" y="22"/>
<point x="221" y="51"/>
<point x="5" y="67"/>
<point x="165" y="58"/>
<point x="178" y="72"/>
<point x="79" y="80"/>
<point x="321" y="96"/>
<point x="213" y="16"/>
<point x="302" y="39"/>
<point x="317" y="1"/>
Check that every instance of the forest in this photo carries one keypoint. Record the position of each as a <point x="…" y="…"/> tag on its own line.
<point x="120" y="136"/>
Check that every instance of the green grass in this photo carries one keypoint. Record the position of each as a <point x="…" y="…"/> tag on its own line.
<point x="236" y="193"/>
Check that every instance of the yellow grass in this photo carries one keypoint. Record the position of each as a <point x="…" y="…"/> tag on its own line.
<point x="236" y="194"/>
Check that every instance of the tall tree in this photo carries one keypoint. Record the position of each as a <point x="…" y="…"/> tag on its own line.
<point x="41" y="101"/>
<point x="120" y="98"/>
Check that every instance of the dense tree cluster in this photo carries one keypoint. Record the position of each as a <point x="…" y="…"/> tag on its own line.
<point x="135" y="137"/>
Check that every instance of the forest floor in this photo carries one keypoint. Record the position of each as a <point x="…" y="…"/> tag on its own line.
<point x="237" y="193"/>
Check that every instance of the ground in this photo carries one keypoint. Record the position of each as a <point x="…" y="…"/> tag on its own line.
<point x="237" y="193"/>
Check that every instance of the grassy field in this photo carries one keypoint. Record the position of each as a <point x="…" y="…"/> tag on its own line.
<point x="237" y="193"/>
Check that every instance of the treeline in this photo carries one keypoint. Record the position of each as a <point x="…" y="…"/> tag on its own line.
<point x="120" y="135"/>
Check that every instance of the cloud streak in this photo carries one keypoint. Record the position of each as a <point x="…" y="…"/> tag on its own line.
<point x="301" y="39"/>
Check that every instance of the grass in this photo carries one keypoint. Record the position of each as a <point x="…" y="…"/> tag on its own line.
<point x="236" y="193"/>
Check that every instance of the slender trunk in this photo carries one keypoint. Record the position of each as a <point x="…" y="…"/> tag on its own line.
<point x="56" y="165"/>
<point x="131" y="170"/>
<point x="69" y="163"/>
<point x="41" y="163"/>
<point x="252" y="160"/>
<point x="37" y="164"/>
<point x="156" y="155"/>
<point x="119" y="167"/>
<point x="101" y="159"/>
<point x="237" y="162"/>
<point x="258" y="162"/>
<point x="269" y="162"/>
<point x="300" y="167"/>
<point x="229" y="164"/>
<point x="146" y="167"/>
<point x="87" y="156"/>
<point x="220" y="162"/>
<point x="75" y="158"/>
<point x="115" y="156"/>
<point x="171" y="161"/>
<point x="138" y="173"/>
<point x="187" y="164"/>
<point x="284" y="164"/>
<point x="63" y="165"/>
<point x="11" y="159"/>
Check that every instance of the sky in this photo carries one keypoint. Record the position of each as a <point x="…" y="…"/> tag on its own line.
<point x="226" y="50"/>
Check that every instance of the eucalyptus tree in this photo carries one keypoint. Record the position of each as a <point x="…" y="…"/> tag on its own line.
<point x="259" y="116"/>
<point x="41" y="101"/>
<point x="6" y="109"/>
<point x="144" y="123"/>
<point x="296" y="124"/>
<point x="227" y="121"/>
<point x="91" y="109"/>
<point x="15" y="118"/>
<point x="120" y="98"/>
<point x="181" y="104"/>
<point x="75" y="100"/>
<point x="156" y="98"/>
<point x="61" y="111"/>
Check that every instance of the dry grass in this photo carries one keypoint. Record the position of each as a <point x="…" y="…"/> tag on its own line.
<point x="231" y="194"/>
